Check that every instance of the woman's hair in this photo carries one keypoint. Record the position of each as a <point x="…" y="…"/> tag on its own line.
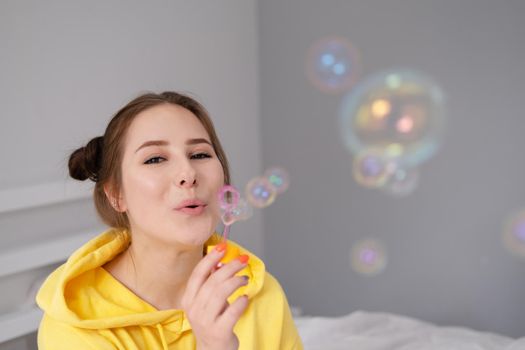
<point x="100" y="160"/>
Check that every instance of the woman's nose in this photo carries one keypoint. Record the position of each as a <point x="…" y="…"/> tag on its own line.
<point x="188" y="181"/>
<point x="186" y="178"/>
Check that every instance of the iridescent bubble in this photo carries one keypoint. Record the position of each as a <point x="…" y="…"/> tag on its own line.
<point x="400" y="111"/>
<point x="380" y="108"/>
<point x="402" y="182"/>
<point x="332" y="64"/>
<point x="260" y="192"/>
<point x="279" y="178"/>
<point x="242" y="211"/>
<point x="368" y="257"/>
<point x="514" y="234"/>
<point x="372" y="168"/>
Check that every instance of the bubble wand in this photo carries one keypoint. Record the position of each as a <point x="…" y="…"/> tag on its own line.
<point x="260" y="192"/>
<point x="233" y="209"/>
<point x="228" y="206"/>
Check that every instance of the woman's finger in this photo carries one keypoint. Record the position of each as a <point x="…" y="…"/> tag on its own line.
<point x="217" y="303"/>
<point x="231" y="315"/>
<point x="202" y="271"/>
<point x="214" y="282"/>
<point x="229" y="269"/>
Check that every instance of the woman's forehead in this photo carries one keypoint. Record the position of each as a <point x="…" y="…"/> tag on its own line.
<point x="165" y="122"/>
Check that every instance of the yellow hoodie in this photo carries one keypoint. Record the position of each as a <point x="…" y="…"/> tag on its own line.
<point x="85" y="307"/>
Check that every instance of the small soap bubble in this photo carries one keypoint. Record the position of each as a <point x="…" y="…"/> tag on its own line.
<point x="402" y="182"/>
<point x="260" y="192"/>
<point x="242" y="211"/>
<point x="514" y="234"/>
<point x="372" y="168"/>
<point x="279" y="178"/>
<point x="394" y="110"/>
<point x="332" y="64"/>
<point x="368" y="257"/>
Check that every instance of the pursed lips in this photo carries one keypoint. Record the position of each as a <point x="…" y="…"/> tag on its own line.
<point x="191" y="206"/>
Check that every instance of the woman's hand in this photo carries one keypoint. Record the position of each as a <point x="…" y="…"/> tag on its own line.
<point x="205" y="301"/>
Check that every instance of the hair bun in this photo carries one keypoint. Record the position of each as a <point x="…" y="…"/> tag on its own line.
<point x="85" y="162"/>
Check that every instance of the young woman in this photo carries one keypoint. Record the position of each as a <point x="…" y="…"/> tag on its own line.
<point x="148" y="282"/>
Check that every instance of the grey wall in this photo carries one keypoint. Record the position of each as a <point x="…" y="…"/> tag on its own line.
<point x="67" y="67"/>
<point x="446" y="261"/>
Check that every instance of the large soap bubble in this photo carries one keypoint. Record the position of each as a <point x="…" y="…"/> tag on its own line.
<point x="401" y="113"/>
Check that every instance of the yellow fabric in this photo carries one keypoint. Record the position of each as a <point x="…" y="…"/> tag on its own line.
<point x="85" y="307"/>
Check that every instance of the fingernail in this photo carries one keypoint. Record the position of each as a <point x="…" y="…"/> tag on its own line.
<point x="243" y="258"/>
<point x="246" y="278"/>
<point x="220" y="247"/>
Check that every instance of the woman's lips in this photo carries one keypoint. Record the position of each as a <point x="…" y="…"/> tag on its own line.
<point x="194" y="211"/>
<point x="191" y="206"/>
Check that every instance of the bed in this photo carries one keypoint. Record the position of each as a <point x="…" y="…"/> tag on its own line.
<point x="362" y="330"/>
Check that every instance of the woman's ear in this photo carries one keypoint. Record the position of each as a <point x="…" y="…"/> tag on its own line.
<point x="116" y="201"/>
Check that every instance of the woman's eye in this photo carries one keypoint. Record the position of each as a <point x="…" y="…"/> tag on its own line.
<point x="200" y="156"/>
<point x="154" y="160"/>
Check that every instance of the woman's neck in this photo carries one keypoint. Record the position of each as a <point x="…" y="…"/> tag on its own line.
<point x="155" y="272"/>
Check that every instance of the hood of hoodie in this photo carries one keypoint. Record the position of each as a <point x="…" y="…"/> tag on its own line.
<point x="77" y="293"/>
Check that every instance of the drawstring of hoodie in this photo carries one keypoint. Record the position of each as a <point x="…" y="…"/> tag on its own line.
<point x="161" y="334"/>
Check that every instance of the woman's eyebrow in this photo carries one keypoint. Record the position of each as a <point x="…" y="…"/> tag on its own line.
<point x="165" y="143"/>
<point x="197" y="141"/>
<point x="153" y="143"/>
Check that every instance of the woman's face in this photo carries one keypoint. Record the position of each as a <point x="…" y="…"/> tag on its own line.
<point x="170" y="177"/>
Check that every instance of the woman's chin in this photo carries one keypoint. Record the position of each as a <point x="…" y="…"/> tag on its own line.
<point x="195" y="237"/>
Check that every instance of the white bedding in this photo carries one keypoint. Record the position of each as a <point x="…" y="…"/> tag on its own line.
<point x="381" y="331"/>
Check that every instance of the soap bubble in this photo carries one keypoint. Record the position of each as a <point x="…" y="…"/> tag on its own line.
<point x="372" y="168"/>
<point x="332" y="64"/>
<point x="279" y="178"/>
<point x="402" y="182"/>
<point x="242" y="211"/>
<point x="398" y="112"/>
<point x="514" y="234"/>
<point x="368" y="257"/>
<point x="260" y="192"/>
